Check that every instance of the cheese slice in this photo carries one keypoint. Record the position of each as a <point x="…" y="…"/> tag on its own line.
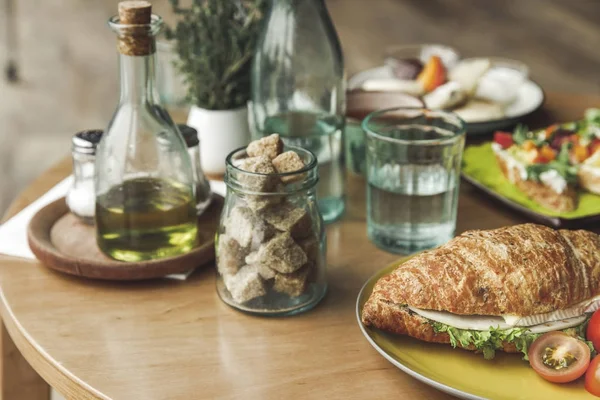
<point x="558" y="325"/>
<point x="586" y="306"/>
<point x="484" y="323"/>
<point x="471" y="322"/>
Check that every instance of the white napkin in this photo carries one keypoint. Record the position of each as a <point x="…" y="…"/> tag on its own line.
<point x="13" y="233"/>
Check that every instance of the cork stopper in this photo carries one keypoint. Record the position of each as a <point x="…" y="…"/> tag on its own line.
<point x="135" y="12"/>
<point x="137" y="39"/>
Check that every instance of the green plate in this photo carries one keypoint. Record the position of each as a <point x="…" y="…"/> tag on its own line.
<point x="462" y="373"/>
<point x="482" y="171"/>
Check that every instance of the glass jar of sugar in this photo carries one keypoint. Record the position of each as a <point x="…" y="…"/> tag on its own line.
<point x="271" y="244"/>
<point x="81" y="198"/>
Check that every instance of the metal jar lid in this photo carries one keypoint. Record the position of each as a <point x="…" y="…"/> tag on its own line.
<point x="190" y="135"/>
<point x="85" y="142"/>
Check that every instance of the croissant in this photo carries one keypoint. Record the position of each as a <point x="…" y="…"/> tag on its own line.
<point x="522" y="270"/>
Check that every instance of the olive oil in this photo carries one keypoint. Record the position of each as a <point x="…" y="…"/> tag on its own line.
<point x="146" y="218"/>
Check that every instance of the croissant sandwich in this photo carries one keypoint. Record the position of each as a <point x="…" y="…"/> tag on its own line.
<point x="492" y="290"/>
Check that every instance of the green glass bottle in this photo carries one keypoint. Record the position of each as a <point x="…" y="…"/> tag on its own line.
<point x="298" y="91"/>
<point x="145" y="201"/>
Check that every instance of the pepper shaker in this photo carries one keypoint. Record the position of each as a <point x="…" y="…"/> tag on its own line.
<point x="81" y="198"/>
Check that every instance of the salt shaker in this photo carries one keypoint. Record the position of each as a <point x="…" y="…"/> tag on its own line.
<point x="81" y="198"/>
<point x="203" y="192"/>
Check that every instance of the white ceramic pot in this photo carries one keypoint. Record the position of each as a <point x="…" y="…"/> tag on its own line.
<point x="220" y="132"/>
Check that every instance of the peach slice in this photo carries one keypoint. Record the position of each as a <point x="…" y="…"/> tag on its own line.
<point x="433" y="74"/>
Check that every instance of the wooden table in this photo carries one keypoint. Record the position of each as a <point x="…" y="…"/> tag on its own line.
<point x="177" y="340"/>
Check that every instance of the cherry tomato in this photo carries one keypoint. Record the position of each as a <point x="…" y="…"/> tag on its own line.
<point x="558" y="357"/>
<point x="592" y="377"/>
<point x="504" y="139"/>
<point x="593" y="330"/>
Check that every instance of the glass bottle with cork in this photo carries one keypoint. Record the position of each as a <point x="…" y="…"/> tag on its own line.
<point x="145" y="194"/>
<point x="298" y="91"/>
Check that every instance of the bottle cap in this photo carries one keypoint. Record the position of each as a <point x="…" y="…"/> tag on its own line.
<point x="85" y="142"/>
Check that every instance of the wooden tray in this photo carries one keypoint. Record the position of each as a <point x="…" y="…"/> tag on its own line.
<point x="63" y="243"/>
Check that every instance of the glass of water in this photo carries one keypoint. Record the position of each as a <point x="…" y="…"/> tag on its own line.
<point x="413" y="172"/>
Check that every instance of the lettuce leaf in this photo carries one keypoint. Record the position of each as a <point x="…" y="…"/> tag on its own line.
<point x="521" y="134"/>
<point x="491" y="340"/>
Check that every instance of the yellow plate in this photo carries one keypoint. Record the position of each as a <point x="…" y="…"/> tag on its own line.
<point x="461" y="373"/>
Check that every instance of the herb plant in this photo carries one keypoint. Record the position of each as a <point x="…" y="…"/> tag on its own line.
<point x="215" y="40"/>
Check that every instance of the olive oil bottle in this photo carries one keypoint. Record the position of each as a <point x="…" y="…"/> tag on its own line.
<point x="145" y="199"/>
<point x="146" y="218"/>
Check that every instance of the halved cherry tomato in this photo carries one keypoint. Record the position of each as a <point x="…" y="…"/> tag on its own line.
<point x="504" y="139"/>
<point x="592" y="377"/>
<point x="558" y="357"/>
<point x="593" y="330"/>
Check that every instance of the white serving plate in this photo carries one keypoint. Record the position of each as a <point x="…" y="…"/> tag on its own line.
<point x="530" y="98"/>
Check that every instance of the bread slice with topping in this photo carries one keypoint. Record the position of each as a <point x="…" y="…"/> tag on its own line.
<point x="551" y="192"/>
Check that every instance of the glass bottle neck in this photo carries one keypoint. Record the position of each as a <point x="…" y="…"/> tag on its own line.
<point x="137" y="79"/>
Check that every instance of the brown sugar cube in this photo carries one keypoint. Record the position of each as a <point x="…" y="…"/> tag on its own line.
<point x="230" y="255"/>
<point x="246" y="285"/>
<point x="292" y="284"/>
<point x="311" y="248"/>
<point x="265" y="272"/>
<point x="288" y="218"/>
<point x="260" y="202"/>
<point x="253" y="262"/>
<point x="282" y="254"/>
<point x="289" y="161"/>
<point x="246" y="228"/>
<point x="252" y="258"/>
<point x="263" y="183"/>
<point x="270" y="146"/>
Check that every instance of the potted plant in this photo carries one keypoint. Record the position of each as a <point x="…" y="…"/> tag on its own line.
<point x="215" y="40"/>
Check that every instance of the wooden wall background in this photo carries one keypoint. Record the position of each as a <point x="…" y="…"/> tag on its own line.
<point x="68" y="66"/>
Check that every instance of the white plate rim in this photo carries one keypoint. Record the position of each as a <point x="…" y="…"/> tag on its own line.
<point x="428" y="381"/>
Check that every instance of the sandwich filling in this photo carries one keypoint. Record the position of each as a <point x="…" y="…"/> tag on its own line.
<point x="489" y="333"/>
<point x="490" y="340"/>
